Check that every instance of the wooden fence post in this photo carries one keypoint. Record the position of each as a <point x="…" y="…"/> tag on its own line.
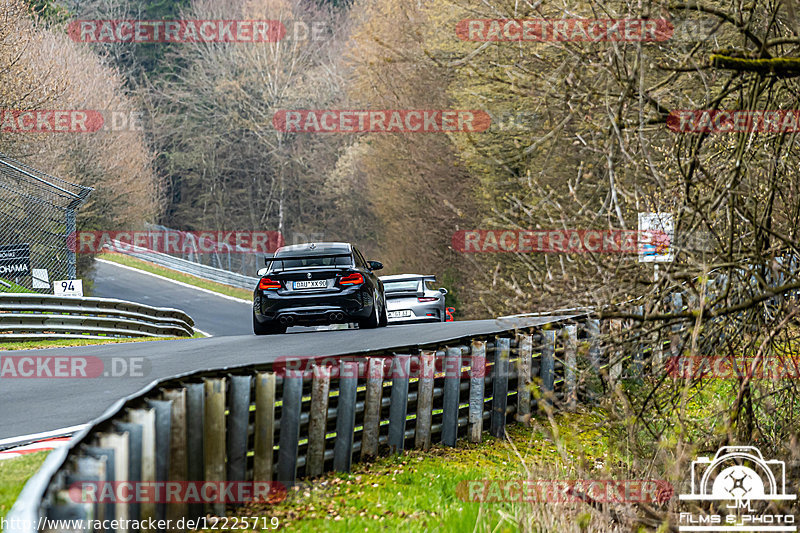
<point x="372" y="407"/>
<point x="290" y="429"/>
<point x="345" y="416"/>
<point x="214" y="437"/>
<point x="502" y="353"/>
<point x="265" y="427"/>
<point x="317" y="420"/>
<point x="477" y="386"/>
<point x="422" y="437"/>
<point x="571" y="366"/>
<point x="525" y="351"/>
<point x="548" y="365"/>
<point x="398" y="409"/>
<point x="452" y="391"/>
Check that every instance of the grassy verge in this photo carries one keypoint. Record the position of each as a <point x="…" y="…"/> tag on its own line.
<point x="14" y="287"/>
<point x="427" y="490"/>
<point x="14" y="473"/>
<point x="64" y="343"/>
<point x="244" y="294"/>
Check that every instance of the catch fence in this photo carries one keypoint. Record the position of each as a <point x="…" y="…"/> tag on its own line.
<point x="37" y="221"/>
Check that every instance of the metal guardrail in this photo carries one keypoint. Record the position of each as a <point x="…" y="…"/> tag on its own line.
<point x="41" y="317"/>
<point x="210" y="273"/>
<point x="279" y="421"/>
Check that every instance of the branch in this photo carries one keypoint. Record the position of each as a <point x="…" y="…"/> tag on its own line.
<point x="784" y="67"/>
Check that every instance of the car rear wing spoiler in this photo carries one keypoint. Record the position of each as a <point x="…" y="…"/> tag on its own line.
<point x="272" y="259"/>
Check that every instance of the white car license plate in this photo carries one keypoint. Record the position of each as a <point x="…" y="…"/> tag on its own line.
<point x="314" y="284"/>
<point x="399" y="314"/>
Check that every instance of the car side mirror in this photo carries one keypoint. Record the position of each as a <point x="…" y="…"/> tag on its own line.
<point x="375" y="265"/>
<point x="262" y="272"/>
<point x="443" y="291"/>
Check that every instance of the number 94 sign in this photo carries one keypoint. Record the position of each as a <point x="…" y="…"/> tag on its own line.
<point x="68" y="287"/>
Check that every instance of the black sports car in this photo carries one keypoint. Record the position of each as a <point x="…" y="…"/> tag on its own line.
<point x="318" y="283"/>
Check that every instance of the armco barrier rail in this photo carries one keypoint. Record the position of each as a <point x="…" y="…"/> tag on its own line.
<point x="42" y="317"/>
<point x="210" y="273"/>
<point x="285" y="420"/>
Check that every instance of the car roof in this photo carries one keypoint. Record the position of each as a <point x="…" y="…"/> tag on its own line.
<point x="407" y="277"/>
<point x="315" y="248"/>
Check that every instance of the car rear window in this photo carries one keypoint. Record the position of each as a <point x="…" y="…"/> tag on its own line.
<point x="400" y="286"/>
<point x="305" y="262"/>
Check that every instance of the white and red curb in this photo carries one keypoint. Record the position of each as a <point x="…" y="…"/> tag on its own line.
<point x="41" y="446"/>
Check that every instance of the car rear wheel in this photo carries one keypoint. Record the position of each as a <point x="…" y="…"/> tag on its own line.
<point x="267" y="329"/>
<point x="384" y="318"/>
<point x="372" y="321"/>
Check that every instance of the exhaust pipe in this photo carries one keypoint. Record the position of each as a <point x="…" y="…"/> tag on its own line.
<point x="336" y="317"/>
<point x="286" y="320"/>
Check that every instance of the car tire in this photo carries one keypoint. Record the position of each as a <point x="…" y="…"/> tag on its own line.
<point x="267" y="329"/>
<point x="384" y="318"/>
<point x="372" y="321"/>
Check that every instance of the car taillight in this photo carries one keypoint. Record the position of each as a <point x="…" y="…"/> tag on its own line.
<point x="352" y="279"/>
<point x="427" y="299"/>
<point x="267" y="284"/>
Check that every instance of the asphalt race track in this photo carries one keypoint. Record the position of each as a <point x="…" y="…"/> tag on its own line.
<point x="37" y="405"/>
<point x="212" y="314"/>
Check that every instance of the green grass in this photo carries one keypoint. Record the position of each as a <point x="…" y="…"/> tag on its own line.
<point x="14" y="473"/>
<point x="14" y="288"/>
<point x="227" y="290"/>
<point x="422" y="490"/>
<point x="63" y="343"/>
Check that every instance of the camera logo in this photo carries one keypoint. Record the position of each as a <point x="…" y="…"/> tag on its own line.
<point x="740" y="476"/>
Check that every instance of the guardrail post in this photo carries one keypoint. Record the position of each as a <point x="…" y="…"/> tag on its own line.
<point x="548" y="365"/>
<point x="452" y="391"/>
<point x="146" y="418"/>
<point x="290" y="429"/>
<point x="195" y="448"/>
<point x="265" y="427"/>
<point x="345" y="416"/>
<point x="177" y="455"/>
<point x="238" y="424"/>
<point x="134" y="432"/>
<point x="119" y="445"/>
<point x="163" y="413"/>
<point x="427" y="366"/>
<point x="108" y="457"/>
<point x="91" y="470"/>
<point x="398" y="409"/>
<point x="372" y="408"/>
<point x="570" y="366"/>
<point x="317" y="421"/>
<point x="214" y="437"/>
<point x="502" y="354"/>
<point x="477" y="387"/>
<point x="525" y="351"/>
